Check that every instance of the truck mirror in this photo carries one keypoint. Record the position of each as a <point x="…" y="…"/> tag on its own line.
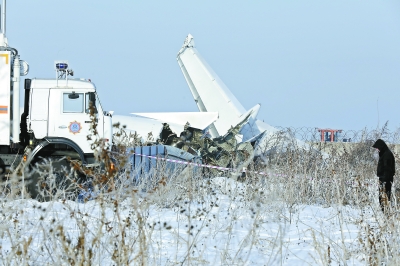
<point x="73" y="95"/>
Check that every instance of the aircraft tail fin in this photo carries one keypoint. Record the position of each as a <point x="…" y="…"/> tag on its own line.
<point x="208" y="90"/>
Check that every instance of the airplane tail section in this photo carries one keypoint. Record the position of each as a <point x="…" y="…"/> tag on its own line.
<point x="212" y="95"/>
<point x="208" y="90"/>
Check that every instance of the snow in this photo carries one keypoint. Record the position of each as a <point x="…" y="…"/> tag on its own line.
<point x="228" y="225"/>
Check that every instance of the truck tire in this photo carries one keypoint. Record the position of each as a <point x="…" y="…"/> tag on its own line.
<point x="53" y="179"/>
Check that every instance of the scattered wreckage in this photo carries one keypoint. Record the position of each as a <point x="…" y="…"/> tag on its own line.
<point x="222" y="133"/>
<point x="224" y="151"/>
<point x="195" y="145"/>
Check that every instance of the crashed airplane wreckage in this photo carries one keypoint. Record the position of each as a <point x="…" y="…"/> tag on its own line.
<point x="222" y="151"/>
<point x="222" y="134"/>
<point x="194" y="145"/>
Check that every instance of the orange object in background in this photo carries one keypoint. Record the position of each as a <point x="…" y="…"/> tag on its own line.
<point x="329" y="135"/>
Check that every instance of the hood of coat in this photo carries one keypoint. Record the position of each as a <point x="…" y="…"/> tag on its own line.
<point x="380" y="145"/>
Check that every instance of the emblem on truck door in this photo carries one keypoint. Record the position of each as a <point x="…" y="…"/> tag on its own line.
<point x="75" y="127"/>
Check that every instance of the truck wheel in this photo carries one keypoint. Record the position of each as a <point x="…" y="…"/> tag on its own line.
<point x="51" y="179"/>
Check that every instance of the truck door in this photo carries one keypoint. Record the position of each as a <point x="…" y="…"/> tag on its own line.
<point x="39" y="112"/>
<point x="69" y="118"/>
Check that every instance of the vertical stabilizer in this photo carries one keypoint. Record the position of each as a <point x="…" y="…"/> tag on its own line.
<point x="208" y="90"/>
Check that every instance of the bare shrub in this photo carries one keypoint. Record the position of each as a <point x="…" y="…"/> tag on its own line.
<point x="195" y="216"/>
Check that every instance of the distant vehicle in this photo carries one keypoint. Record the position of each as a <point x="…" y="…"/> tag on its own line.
<point x="331" y="135"/>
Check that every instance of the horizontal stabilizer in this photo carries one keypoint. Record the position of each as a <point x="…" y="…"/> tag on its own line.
<point x="254" y="111"/>
<point x="141" y="125"/>
<point x="145" y="123"/>
<point x="196" y="119"/>
<point x="256" y="139"/>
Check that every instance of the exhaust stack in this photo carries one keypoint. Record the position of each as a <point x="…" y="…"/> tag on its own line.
<point x="3" y="17"/>
<point x="3" y="39"/>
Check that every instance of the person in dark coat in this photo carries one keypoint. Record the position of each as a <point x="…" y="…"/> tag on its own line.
<point x="385" y="171"/>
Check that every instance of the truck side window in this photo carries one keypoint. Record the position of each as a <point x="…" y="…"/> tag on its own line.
<point x="73" y="102"/>
<point x="91" y="103"/>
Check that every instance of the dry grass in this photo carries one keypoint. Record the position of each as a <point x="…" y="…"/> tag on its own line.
<point x="247" y="221"/>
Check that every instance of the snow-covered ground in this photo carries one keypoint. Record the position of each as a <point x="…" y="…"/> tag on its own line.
<point x="231" y="223"/>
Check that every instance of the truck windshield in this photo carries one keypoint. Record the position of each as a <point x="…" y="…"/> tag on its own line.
<point x="92" y="103"/>
<point x="98" y="103"/>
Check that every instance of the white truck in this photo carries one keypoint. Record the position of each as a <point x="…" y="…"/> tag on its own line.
<point x="56" y="118"/>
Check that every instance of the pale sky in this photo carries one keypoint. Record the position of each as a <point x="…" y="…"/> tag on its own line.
<point x="329" y="64"/>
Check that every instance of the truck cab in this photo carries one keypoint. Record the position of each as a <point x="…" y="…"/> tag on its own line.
<point x="66" y="115"/>
<point x="67" y="109"/>
<point x="63" y="124"/>
<point x="63" y="117"/>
